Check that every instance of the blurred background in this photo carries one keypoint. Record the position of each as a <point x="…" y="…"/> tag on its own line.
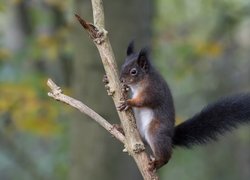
<point x="202" y="48"/>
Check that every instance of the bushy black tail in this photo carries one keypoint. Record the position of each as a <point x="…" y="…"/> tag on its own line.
<point x="214" y="120"/>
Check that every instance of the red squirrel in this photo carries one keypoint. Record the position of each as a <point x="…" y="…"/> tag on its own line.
<point x="153" y="107"/>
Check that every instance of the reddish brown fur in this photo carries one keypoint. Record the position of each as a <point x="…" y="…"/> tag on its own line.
<point x="143" y="99"/>
<point x="154" y="126"/>
<point x="161" y="157"/>
<point x="135" y="102"/>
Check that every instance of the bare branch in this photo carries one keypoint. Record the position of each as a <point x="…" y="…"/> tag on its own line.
<point x="56" y="93"/>
<point x="134" y="144"/>
<point x="98" y="14"/>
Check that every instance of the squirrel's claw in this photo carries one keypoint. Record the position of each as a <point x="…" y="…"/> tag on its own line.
<point x="123" y="106"/>
<point x="151" y="165"/>
<point x="125" y="88"/>
<point x="151" y="158"/>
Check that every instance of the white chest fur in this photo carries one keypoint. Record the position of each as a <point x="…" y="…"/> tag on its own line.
<point x="143" y="116"/>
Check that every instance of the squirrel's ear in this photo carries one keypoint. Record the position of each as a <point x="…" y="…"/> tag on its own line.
<point x="143" y="60"/>
<point x="131" y="48"/>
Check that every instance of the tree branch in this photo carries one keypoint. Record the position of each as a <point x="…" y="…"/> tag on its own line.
<point x="56" y="93"/>
<point x="133" y="142"/>
<point x="132" y="139"/>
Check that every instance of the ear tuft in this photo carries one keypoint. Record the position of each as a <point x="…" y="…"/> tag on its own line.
<point x="143" y="60"/>
<point x="131" y="48"/>
<point x="144" y="52"/>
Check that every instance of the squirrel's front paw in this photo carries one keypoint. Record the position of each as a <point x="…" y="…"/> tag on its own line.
<point x="125" y="88"/>
<point x="123" y="106"/>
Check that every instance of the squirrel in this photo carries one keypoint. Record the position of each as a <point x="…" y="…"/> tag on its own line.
<point x="153" y="106"/>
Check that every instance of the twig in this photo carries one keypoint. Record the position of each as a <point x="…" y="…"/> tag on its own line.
<point x="56" y="93"/>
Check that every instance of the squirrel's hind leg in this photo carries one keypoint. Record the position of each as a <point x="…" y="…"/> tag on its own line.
<point x="160" y="144"/>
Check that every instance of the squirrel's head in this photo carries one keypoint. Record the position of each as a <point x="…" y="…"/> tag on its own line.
<point x="136" y="66"/>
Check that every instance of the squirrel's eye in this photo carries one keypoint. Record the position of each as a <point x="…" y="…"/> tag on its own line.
<point x="133" y="71"/>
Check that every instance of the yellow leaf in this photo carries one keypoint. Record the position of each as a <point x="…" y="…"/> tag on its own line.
<point x="213" y="49"/>
<point x="4" y="53"/>
<point x="178" y="120"/>
<point x="49" y="45"/>
<point x="16" y="2"/>
<point x="28" y="111"/>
